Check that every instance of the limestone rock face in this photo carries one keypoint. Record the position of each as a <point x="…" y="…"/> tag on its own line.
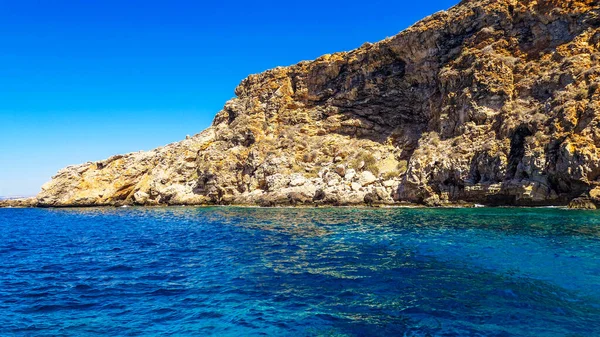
<point x="493" y="101"/>
<point x="166" y="175"/>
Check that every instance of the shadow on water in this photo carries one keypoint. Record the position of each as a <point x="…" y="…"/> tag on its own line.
<point x="366" y="290"/>
<point x="375" y="285"/>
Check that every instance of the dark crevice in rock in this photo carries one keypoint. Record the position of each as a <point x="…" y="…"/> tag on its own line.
<point x="517" y="150"/>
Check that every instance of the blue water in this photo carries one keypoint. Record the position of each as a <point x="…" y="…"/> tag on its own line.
<point x="299" y="272"/>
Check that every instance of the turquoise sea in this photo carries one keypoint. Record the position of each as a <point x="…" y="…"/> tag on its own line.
<point x="187" y="271"/>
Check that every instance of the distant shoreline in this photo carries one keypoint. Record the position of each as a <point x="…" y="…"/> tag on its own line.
<point x="17" y="197"/>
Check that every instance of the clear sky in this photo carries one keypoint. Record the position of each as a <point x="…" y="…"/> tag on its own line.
<point x="83" y="80"/>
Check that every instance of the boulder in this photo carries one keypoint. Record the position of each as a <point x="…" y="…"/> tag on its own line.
<point x="350" y="174"/>
<point x="582" y="203"/>
<point x="366" y="178"/>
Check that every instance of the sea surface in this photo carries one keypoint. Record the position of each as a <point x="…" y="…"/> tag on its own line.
<point x="189" y="271"/>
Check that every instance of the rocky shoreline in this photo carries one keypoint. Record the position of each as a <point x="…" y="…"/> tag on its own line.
<point x="494" y="102"/>
<point x="583" y="203"/>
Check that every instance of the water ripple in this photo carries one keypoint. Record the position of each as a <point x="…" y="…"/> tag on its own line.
<point x="299" y="272"/>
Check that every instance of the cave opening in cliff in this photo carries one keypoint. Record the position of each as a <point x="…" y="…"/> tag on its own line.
<point x="517" y="150"/>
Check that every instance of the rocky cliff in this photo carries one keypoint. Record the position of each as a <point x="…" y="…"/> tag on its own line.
<point x="493" y="101"/>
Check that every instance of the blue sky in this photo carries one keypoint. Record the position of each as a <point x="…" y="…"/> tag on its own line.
<point x="83" y="80"/>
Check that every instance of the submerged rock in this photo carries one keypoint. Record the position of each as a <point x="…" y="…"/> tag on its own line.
<point x="493" y="101"/>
